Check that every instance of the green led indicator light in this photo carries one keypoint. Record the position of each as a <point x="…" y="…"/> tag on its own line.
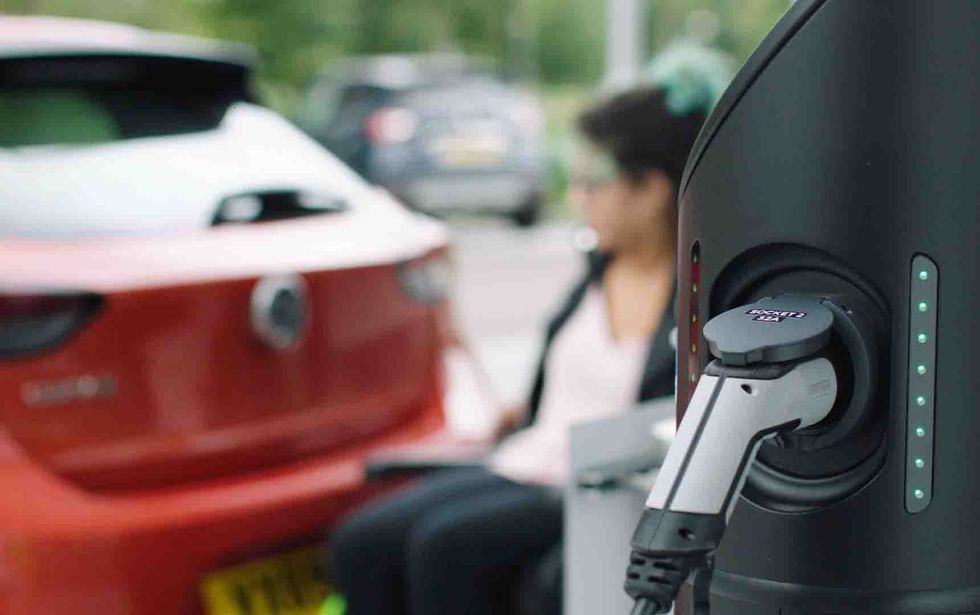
<point x="694" y="317"/>
<point x="921" y="371"/>
<point x="694" y="257"/>
<point x="694" y="288"/>
<point x="694" y="347"/>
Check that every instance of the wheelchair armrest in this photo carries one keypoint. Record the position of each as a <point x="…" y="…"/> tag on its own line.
<point x="611" y="451"/>
<point x="440" y="452"/>
<point x="377" y="469"/>
<point x="614" y="473"/>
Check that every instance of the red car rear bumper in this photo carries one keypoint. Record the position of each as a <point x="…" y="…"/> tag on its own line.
<point x="65" y="550"/>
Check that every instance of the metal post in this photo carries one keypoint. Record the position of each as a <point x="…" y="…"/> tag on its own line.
<point x="518" y="54"/>
<point x="626" y="27"/>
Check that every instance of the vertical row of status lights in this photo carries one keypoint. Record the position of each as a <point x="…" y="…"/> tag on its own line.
<point x="923" y="319"/>
<point x="694" y="332"/>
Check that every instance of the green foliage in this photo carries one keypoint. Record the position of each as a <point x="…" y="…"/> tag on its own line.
<point x="743" y="22"/>
<point x="560" y="40"/>
<point x="570" y="40"/>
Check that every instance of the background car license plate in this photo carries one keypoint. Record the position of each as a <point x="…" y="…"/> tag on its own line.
<point x="288" y="584"/>
<point x="468" y="150"/>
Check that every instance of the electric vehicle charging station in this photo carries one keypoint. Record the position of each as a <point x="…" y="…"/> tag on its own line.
<point x="840" y="170"/>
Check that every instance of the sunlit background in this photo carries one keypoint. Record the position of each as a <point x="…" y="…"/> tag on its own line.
<point x="155" y="173"/>
<point x="554" y="45"/>
<point x="560" y="51"/>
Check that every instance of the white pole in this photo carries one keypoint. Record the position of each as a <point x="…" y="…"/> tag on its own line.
<point x="626" y="26"/>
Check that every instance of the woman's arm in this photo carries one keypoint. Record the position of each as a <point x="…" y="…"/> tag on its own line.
<point x="510" y="420"/>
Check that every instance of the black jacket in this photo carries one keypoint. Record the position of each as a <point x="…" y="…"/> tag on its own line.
<point x="659" y="373"/>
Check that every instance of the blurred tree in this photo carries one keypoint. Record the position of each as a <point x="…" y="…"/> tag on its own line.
<point x="736" y="26"/>
<point x="392" y="26"/>
<point x="562" y="40"/>
<point x="570" y="37"/>
<point x="293" y="38"/>
<point x="175" y="15"/>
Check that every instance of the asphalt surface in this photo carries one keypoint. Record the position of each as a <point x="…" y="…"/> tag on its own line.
<point x="508" y="282"/>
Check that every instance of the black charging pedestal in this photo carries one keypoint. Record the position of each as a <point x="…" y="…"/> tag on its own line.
<point x="844" y="163"/>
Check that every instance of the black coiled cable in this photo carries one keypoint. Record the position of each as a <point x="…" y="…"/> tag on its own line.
<point x="654" y="582"/>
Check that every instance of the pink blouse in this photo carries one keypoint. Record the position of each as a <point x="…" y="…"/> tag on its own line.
<point x="589" y="375"/>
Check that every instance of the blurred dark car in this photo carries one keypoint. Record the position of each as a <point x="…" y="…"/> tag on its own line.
<point x="433" y="130"/>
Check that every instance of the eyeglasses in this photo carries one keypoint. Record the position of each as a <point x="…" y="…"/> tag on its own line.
<point x="592" y="169"/>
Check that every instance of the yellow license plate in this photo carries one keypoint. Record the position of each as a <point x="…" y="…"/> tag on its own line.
<point x="288" y="584"/>
<point x="464" y="158"/>
<point x="472" y="151"/>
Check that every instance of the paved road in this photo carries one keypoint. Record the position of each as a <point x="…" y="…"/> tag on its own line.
<point x="508" y="282"/>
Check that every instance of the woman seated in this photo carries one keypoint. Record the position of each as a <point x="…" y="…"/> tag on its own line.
<point x="447" y="543"/>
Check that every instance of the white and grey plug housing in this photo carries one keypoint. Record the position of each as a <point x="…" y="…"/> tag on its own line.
<point x="769" y="377"/>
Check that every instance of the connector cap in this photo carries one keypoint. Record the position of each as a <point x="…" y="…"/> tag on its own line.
<point x="773" y="330"/>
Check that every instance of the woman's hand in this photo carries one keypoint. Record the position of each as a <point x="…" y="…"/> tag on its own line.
<point x="510" y="420"/>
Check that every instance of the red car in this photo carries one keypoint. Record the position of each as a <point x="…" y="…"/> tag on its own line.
<point x="206" y="324"/>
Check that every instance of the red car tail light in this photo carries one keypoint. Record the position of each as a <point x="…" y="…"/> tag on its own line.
<point x="391" y="125"/>
<point x="31" y="321"/>
<point x="427" y="280"/>
<point x="469" y="403"/>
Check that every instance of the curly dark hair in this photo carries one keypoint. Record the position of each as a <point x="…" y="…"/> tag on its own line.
<point x="641" y="133"/>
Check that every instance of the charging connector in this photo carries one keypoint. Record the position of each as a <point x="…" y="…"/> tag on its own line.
<point x="769" y="380"/>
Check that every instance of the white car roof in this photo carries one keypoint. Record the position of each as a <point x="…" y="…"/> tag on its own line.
<point x="59" y="36"/>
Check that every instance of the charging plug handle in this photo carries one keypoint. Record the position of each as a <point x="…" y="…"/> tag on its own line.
<point x="768" y="383"/>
